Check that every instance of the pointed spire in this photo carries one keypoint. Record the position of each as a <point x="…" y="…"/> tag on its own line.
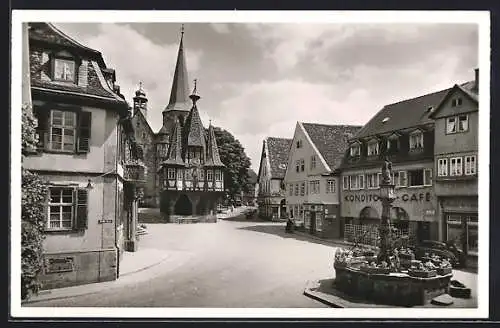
<point x="212" y="156"/>
<point x="194" y="130"/>
<point x="194" y="97"/>
<point x="179" y="99"/>
<point x="174" y="155"/>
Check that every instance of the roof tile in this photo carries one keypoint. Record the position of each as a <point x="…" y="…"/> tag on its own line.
<point x="278" y="149"/>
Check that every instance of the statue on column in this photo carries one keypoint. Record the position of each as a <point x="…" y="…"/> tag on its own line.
<point x="387" y="171"/>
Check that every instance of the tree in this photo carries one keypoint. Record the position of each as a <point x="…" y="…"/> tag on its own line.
<point x="34" y="191"/>
<point x="233" y="156"/>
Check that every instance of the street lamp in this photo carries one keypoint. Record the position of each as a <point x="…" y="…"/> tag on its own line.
<point x="386" y="197"/>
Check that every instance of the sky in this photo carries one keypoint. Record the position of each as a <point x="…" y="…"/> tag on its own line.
<point x="257" y="80"/>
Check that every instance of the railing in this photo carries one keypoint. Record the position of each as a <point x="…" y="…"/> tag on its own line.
<point x="369" y="235"/>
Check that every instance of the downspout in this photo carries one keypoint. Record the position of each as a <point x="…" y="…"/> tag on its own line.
<point x="117" y="201"/>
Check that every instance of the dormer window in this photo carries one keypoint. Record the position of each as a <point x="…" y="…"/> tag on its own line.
<point x="355" y="150"/>
<point x="393" y="144"/>
<point x="373" y="149"/>
<point x="416" y="140"/>
<point x="64" y="70"/>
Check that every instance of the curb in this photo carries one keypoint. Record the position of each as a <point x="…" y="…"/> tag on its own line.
<point x="314" y="295"/>
<point x="86" y="293"/>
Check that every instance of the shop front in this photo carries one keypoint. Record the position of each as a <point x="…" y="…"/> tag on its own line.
<point x="460" y="221"/>
<point x="413" y="211"/>
<point x="322" y="220"/>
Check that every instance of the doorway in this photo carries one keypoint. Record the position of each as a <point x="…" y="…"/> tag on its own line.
<point x="183" y="206"/>
<point x="423" y="231"/>
<point x="312" y="222"/>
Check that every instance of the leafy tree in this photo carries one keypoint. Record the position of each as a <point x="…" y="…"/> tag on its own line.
<point x="32" y="214"/>
<point x="233" y="156"/>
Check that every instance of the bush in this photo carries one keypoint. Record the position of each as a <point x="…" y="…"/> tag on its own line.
<point x="32" y="214"/>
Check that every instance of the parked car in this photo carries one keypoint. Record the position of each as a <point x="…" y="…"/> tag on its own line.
<point x="441" y="249"/>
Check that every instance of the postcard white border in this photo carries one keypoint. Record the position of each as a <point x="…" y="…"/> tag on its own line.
<point x="482" y="18"/>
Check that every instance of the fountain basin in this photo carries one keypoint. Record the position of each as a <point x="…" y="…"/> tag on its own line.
<point x="398" y="289"/>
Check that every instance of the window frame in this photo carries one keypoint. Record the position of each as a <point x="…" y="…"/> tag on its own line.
<point x="370" y="146"/>
<point x="355" y="153"/>
<point x="459" y="129"/>
<point x="409" y="178"/>
<point x="345" y="182"/>
<point x="443" y="161"/>
<point x="63" y="127"/>
<point x="57" y="58"/>
<point x="412" y="146"/>
<point x="447" y="121"/>
<point x="427" y="183"/>
<point x="453" y="169"/>
<point x="210" y="175"/>
<point x="171" y="173"/>
<point x="330" y="186"/>
<point x="313" y="162"/>
<point x="472" y="168"/>
<point x="60" y="205"/>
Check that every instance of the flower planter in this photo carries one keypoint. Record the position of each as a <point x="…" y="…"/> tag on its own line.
<point x="443" y="271"/>
<point x="374" y="270"/>
<point x="422" y="274"/>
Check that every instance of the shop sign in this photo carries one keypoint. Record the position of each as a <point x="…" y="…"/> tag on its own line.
<point x="413" y="197"/>
<point x="56" y="265"/>
<point x="430" y="212"/>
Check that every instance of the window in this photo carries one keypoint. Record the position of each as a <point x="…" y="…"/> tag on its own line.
<point x="463" y="123"/>
<point x="345" y="182"/>
<point x="361" y="182"/>
<point x="210" y="175"/>
<point x="318" y="222"/>
<point x="299" y="143"/>
<point x="415" y="178"/>
<point x="455" y="166"/>
<point x="442" y="167"/>
<point x="402" y="179"/>
<point x="416" y="141"/>
<point x="314" y="187"/>
<point x="355" y="150"/>
<point x="64" y="70"/>
<point x="171" y="173"/>
<point x="456" y="102"/>
<point x="372" y="180"/>
<point x="330" y="186"/>
<point x="67" y="208"/>
<point x="456" y="124"/>
<point x="353" y="183"/>
<point x="297" y="166"/>
<point x="470" y="165"/>
<point x="427" y="177"/>
<point x="302" y="188"/>
<point x="62" y="130"/>
<point x="302" y="165"/>
<point x="290" y="190"/>
<point x="472" y="235"/>
<point x="179" y="174"/>
<point x="313" y="162"/>
<point x="392" y="144"/>
<point x="451" y="124"/>
<point x="373" y="149"/>
<point x="218" y="175"/>
<point x="296" y="189"/>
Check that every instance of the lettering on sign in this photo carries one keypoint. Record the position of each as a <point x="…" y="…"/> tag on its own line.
<point x="56" y="265"/>
<point x="417" y="197"/>
<point x="430" y="212"/>
<point x="105" y="221"/>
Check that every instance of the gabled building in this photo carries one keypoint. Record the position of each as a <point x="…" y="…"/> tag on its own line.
<point x="312" y="176"/>
<point x="404" y="132"/>
<point x="456" y="157"/>
<point x="187" y="175"/>
<point x="271" y="189"/>
<point x="87" y="155"/>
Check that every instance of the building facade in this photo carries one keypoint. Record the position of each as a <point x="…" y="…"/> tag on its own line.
<point x="271" y="188"/>
<point x="312" y="176"/>
<point x="82" y="125"/>
<point x="403" y="132"/>
<point x="456" y="157"/>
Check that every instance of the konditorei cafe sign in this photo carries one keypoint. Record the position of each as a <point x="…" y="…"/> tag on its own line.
<point x="407" y="197"/>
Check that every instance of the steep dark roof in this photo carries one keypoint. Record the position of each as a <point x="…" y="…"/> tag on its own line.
<point x="468" y="88"/>
<point x="331" y="140"/>
<point x="174" y="153"/>
<point x="179" y="94"/>
<point x="194" y="130"/>
<point x="212" y="155"/>
<point x="402" y="115"/>
<point x="278" y="149"/>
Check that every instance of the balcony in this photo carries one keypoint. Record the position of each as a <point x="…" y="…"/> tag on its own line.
<point x="135" y="172"/>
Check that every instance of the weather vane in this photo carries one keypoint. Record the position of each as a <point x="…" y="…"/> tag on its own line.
<point x="194" y="91"/>
<point x="182" y="29"/>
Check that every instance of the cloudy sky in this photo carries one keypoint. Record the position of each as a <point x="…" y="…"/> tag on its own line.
<point x="258" y="80"/>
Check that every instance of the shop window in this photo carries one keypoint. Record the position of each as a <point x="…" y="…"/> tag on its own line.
<point x="345" y="182"/>
<point x="470" y="165"/>
<point x="442" y="167"/>
<point x="456" y="166"/>
<point x="454" y="230"/>
<point x="472" y="235"/>
<point x="319" y="222"/>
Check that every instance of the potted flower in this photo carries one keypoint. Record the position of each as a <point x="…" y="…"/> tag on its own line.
<point x="426" y="270"/>
<point x="444" y="267"/>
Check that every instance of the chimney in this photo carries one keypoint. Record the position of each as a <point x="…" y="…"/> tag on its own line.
<point x="476" y="79"/>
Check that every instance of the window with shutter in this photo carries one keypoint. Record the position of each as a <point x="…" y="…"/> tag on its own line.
<point x="81" y="208"/>
<point x="84" y="128"/>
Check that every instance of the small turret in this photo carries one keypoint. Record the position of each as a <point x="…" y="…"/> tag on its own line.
<point x="141" y="101"/>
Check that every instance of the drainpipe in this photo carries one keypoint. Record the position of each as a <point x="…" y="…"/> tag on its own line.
<point x="118" y="140"/>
